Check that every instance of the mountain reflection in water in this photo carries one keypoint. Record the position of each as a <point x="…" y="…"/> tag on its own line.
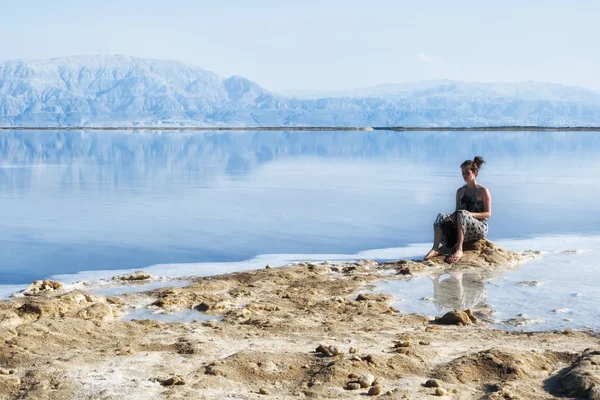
<point x="77" y="200"/>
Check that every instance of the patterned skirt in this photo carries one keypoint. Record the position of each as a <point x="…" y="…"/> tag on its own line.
<point x="473" y="228"/>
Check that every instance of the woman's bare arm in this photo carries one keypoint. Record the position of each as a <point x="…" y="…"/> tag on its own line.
<point x="458" y="198"/>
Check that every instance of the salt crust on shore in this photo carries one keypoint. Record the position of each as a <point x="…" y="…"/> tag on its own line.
<point x="60" y="344"/>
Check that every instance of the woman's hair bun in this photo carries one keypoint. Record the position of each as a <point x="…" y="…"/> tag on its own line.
<point x="478" y="161"/>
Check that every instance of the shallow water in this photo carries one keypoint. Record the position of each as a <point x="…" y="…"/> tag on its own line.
<point x="107" y="289"/>
<point x="81" y="201"/>
<point x="557" y="291"/>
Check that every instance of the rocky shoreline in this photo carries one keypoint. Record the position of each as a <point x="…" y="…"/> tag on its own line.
<point x="307" y="330"/>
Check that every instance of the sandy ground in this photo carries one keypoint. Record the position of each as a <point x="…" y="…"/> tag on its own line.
<point x="300" y="331"/>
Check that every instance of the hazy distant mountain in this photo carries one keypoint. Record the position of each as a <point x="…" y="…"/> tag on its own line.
<point x="121" y="90"/>
<point x="448" y="88"/>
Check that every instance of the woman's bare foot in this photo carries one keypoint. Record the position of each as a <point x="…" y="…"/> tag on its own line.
<point x="457" y="255"/>
<point x="432" y="253"/>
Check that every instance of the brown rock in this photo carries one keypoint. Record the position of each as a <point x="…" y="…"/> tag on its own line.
<point x="185" y="347"/>
<point x="173" y="381"/>
<point x="329" y="351"/>
<point x="323" y="350"/>
<point x="470" y="315"/>
<point x="431" y="383"/>
<point x="455" y="317"/>
<point x="374" y="297"/>
<point x="370" y="359"/>
<point x="213" y="370"/>
<point x="353" y="386"/>
<point x="440" y="392"/>
<point x="375" y="390"/>
<point x="114" y="300"/>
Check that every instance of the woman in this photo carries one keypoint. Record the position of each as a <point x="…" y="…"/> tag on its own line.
<point x="470" y="220"/>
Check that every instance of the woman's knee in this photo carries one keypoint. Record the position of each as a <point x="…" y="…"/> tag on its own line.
<point x="461" y="216"/>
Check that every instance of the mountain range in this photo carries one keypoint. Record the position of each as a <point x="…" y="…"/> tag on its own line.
<point x="127" y="91"/>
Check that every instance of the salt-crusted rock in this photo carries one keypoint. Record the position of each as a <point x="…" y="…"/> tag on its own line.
<point x="5" y="371"/>
<point x="9" y="319"/>
<point x="479" y="255"/>
<point x="490" y="366"/>
<point x="42" y="286"/>
<point x="136" y="276"/>
<point x="73" y="304"/>
<point x="529" y="283"/>
<point x="366" y="380"/>
<point x="582" y="379"/>
<point x="98" y="312"/>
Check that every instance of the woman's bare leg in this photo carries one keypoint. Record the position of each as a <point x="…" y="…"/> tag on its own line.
<point x="460" y="238"/>
<point x="437" y="239"/>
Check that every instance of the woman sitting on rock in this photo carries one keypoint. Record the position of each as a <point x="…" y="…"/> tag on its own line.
<point x="470" y="220"/>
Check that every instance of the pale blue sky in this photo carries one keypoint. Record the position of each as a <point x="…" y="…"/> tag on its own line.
<point x="323" y="44"/>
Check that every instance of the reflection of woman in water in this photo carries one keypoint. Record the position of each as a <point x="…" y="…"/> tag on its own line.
<point x="459" y="291"/>
<point x="469" y="222"/>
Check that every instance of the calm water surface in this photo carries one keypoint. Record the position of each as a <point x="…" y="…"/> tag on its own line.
<point x="75" y="201"/>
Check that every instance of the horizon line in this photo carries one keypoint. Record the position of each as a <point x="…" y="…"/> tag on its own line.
<point x="303" y="128"/>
